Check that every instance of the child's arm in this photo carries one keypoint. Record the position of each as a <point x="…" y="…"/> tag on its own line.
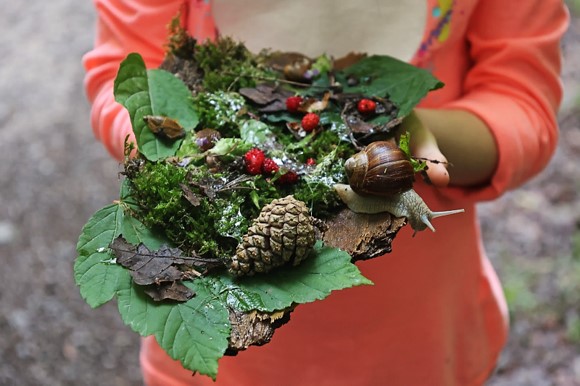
<point x="473" y="157"/>
<point x="503" y="130"/>
<point x="124" y="27"/>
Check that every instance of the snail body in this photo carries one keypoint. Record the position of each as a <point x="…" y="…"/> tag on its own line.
<point x="380" y="180"/>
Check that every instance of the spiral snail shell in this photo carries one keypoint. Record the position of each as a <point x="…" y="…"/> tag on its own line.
<point x="382" y="168"/>
<point x="380" y="180"/>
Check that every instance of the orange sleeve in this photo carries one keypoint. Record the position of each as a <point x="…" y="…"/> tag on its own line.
<point x="514" y="86"/>
<point x="123" y="26"/>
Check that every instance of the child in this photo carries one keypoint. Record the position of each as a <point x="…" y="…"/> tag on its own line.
<point x="436" y="314"/>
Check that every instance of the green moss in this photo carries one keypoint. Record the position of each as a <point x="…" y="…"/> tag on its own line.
<point x="316" y="188"/>
<point x="164" y="207"/>
<point x="227" y="65"/>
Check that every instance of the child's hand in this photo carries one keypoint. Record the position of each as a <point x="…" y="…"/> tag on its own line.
<point x="424" y="146"/>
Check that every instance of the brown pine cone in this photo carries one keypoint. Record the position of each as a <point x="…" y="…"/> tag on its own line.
<point x="282" y="233"/>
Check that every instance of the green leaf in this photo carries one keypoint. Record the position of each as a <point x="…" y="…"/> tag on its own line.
<point x="383" y="76"/>
<point x="95" y="271"/>
<point x="315" y="278"/>
<point x="170" y="97"/>
<point x="240" y="299"/>
<point x="405" y="146"/>
<point x="230" y="147"/>
<point x="153" y="92"/>
<point x="135" y="232"/>
<point x="255" y="132"/>
<point x="195" y="332"/>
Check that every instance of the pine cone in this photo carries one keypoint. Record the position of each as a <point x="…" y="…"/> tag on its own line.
<point x="282" y="233"/>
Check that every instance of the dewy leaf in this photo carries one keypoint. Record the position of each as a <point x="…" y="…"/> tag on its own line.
<point x="153" y="92"/>
<point x="96" y="273"/>
<point x="383" y="76"/>
<point x="255" y="132"/>
<point x="328" y="270"/>
<point x="195" y="332"/>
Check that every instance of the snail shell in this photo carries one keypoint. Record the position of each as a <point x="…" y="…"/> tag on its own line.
<point x="381" y="168"/>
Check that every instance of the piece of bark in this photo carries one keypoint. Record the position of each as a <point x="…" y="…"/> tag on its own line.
<point x="363" y="236"/>
<point x="254" y="328"/>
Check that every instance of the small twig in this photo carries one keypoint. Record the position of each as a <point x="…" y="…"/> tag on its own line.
<point x="280" y="80"/>
<point x="154" y="256"/>
<point x="434" y="161"/>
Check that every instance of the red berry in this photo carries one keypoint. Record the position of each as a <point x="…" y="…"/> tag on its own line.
<point x="310" y="122"/>
<point x="288" y="178"/>
<point x="269" y="167"/>
<point x="254" y="159"/>
<point x="293" y="103"/>
<point x="310" y="162"/>
<point x="366" y="106"/>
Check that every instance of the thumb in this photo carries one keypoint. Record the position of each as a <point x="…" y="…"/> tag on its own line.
<point x="424" y="147"/>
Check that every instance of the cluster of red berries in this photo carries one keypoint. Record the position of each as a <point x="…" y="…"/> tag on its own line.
<point x="257" y="163"/>
<point x="366" y="106"/>
<point x="310" y="121"/>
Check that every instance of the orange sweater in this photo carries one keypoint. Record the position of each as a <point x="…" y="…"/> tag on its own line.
<point x="436" y="314"/>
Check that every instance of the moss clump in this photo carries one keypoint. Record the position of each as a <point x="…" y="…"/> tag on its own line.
<point x="227" y="65"/>
<point x="158" y="190"/>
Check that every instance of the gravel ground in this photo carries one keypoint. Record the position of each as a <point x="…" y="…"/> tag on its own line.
<point x="54" y="175"/>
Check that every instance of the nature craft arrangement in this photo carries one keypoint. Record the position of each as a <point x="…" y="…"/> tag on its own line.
<point x="256" y="181"/>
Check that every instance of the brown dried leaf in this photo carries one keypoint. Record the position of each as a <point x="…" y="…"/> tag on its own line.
<point x="296" y="71"/>
<point x="163" y="265"/>
<point x="358" y="125"/>
<point x="169" y="291"/>
<point x="164" y="127"/>
<point x="278" y="60"/>
<point x="190" y="195"/>
<point x="313" y="105"/>
<point x="348" y="60"/>
<point x="277" y="105"/>
<point x="265" y="94"/>
<point x="146" y="266"/>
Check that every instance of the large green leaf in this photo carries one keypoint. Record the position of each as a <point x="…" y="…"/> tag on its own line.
<point x="195" y="332"/>
<point x="153" y="92"/>
<point x="383" y="76"/>
<point x="96" y="273"/>
<point x="328" y="270"/>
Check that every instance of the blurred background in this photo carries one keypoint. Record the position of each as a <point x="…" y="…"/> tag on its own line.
<point x="54" y="176"/>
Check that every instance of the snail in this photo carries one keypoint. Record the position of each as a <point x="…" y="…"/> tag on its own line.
<point x="381" y="180"/>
